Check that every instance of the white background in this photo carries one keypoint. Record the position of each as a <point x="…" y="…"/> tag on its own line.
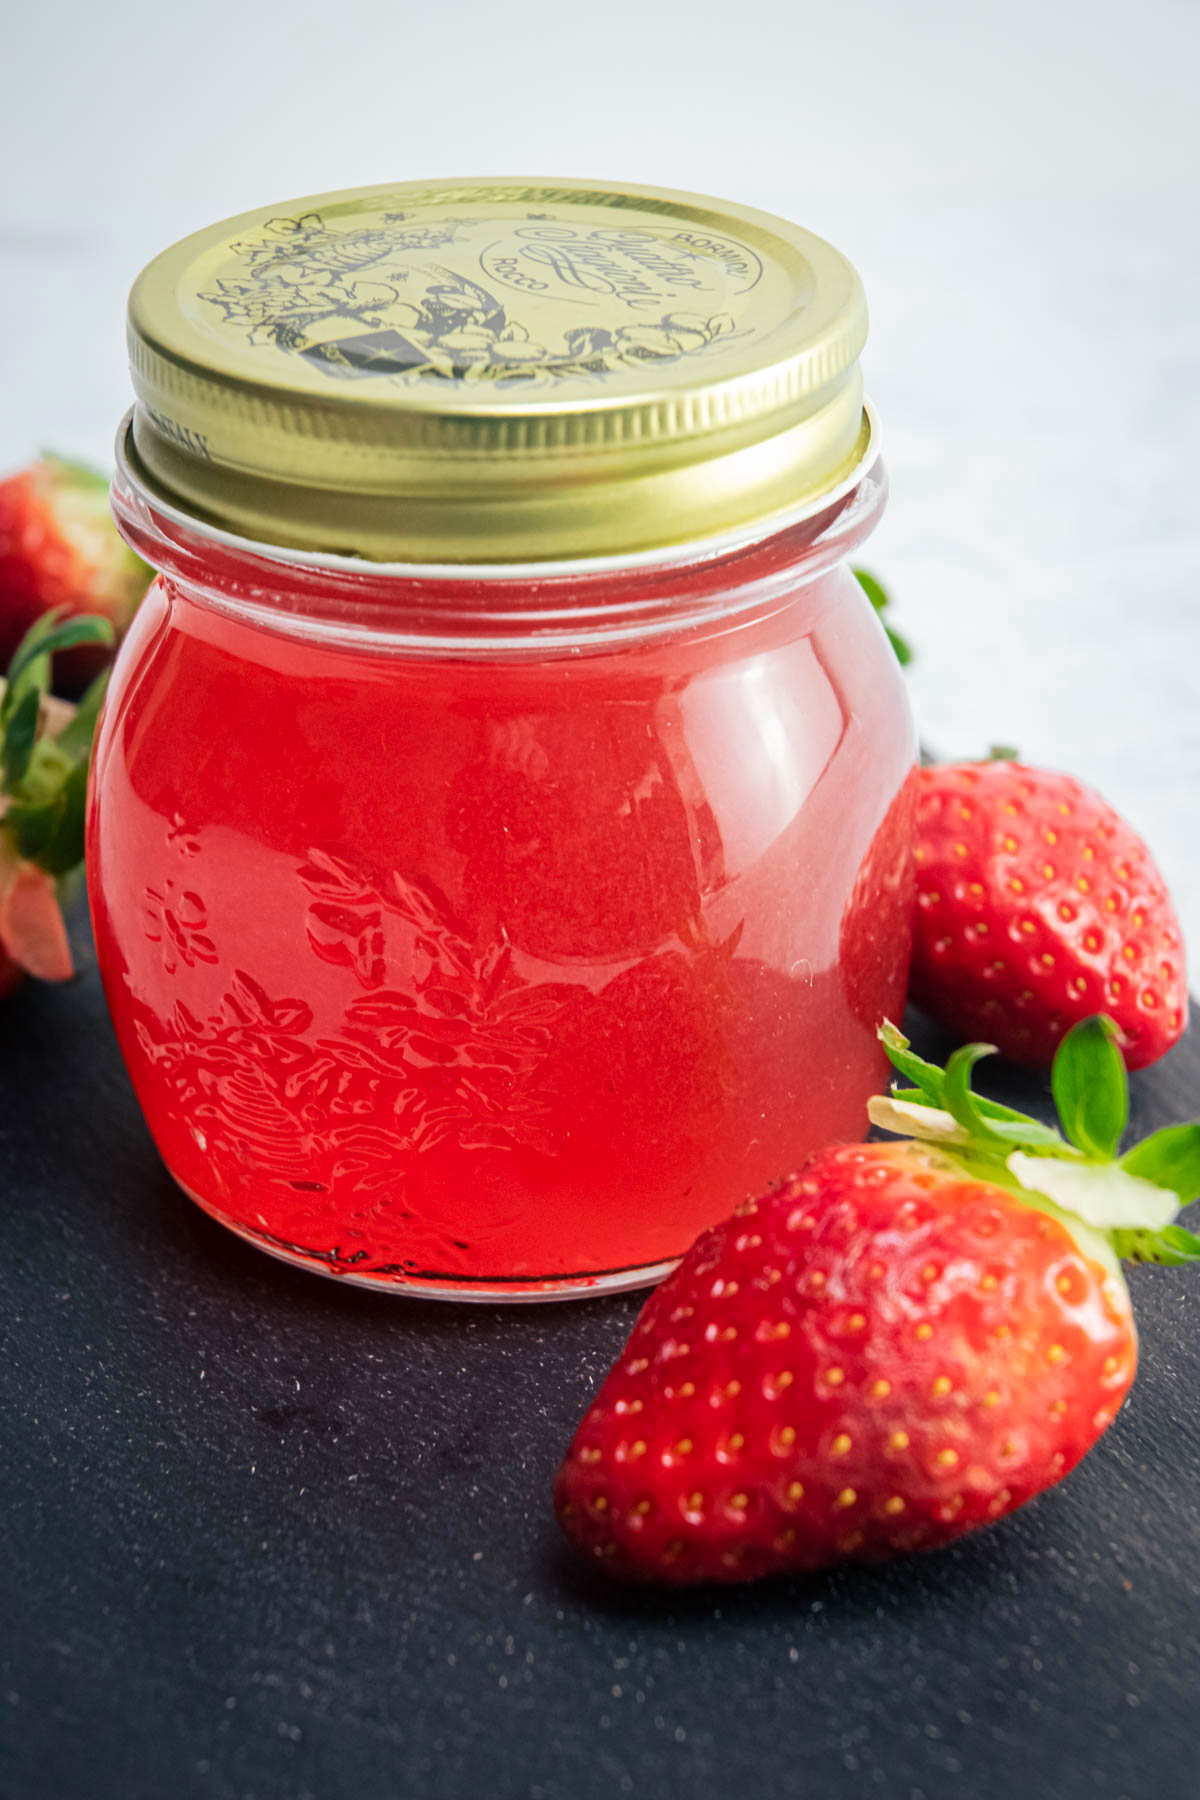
<point x="1016" y="182"/>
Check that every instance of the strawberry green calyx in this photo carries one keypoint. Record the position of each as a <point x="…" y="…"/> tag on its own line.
<point x="1130" y="1200"/>
<point x="881" y="600"/>
<point x="45" y="749"/>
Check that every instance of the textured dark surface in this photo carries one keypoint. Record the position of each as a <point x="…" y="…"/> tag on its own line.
<point x="271" y="1539"/>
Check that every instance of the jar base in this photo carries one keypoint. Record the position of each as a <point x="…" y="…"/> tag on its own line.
<point x="485" y="1291"/>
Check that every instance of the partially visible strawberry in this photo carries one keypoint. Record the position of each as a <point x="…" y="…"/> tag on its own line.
<point x="60" y="552"/>
<point x="45" y="748"/>
<point x="901" y="1343"/>
<point x="1038" y="905"/>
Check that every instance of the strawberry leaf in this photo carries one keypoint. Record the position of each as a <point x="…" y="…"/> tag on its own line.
<point x="874" y="589"/>
<point x="32" y="678"/>
<point x="1173" y="1246"/>
<point x="994" y="1129"/>
<point x="957" y="1097"/>
<point x="20" y="735"/>
<point x="1170" y="1158"/>
<point x="881" y="600"/>
<point x="50" y="634"/>
<point x="1019" y="1128"/>
<point x="1014" y="1128"/>
<point x="76" y="737"/>
<point x="925" y="1076"/>
<point x="50" y="832"/>
<point x="1091" y="1090"/>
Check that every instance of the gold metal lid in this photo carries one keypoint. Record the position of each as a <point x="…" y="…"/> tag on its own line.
<point x="496" y="371"/>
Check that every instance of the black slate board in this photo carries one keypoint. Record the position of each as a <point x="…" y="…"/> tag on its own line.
<point x="272" y="1539"/>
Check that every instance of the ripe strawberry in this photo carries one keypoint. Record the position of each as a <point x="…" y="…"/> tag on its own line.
<point x="60" y="552"/>
<point x="45" y="748"/>
<point x="901" y="1343"/>
<point x="1038" y="905"/>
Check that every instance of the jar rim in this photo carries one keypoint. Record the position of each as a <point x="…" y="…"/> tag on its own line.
<point x="693" y="552"/>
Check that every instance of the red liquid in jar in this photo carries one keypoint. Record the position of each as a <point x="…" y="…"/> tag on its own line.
<point x="501" y="973"/>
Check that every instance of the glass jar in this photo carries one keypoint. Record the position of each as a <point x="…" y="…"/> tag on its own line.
<point x="488" y="927"/>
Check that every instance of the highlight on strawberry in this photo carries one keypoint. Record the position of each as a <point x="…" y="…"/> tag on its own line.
<point x="60" y="552"/>
<point x="45" y="749"/>
<point x="1037" y="906"/>
<point x="901" y="1343"/>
